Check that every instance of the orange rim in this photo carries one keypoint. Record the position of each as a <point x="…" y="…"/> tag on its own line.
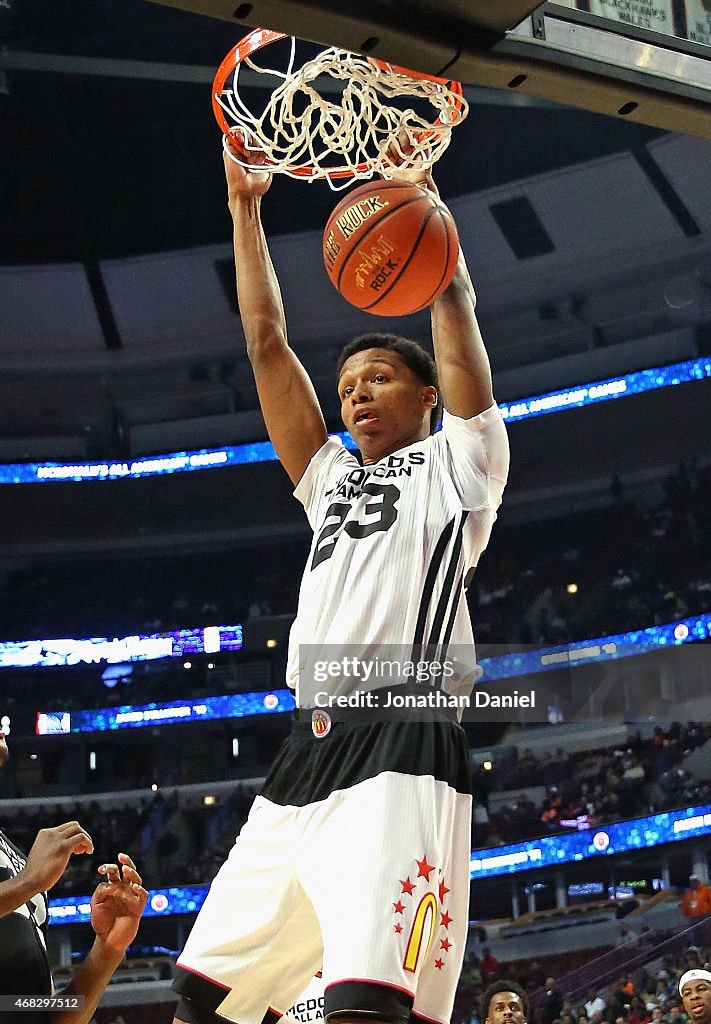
<point x="261" y="37"/>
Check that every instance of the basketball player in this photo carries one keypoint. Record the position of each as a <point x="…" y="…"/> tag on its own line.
<point x="505" y="1002"/>
<point x="695" y="992"/>
<point x="355" y="859"/>
<point x="116" y="908"/>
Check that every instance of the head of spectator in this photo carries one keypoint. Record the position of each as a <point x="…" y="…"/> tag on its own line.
<point x="695" y="992"/>
<point x="505" y="1002"/>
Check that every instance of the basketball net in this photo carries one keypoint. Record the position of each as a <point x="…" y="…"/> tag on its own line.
<point x="363" y="132"/>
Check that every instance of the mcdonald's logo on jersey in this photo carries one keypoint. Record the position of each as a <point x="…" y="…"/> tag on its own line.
<point x="320" y="724"/>
<point x="422" y="932"/>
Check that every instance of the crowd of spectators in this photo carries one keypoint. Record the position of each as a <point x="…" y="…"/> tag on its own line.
<point x="649" y="995"/>
<point x="622" y="567"/>
<point x="121" y="596"/>
<point x="176" y="844"/>
<point x="591" y="787"/>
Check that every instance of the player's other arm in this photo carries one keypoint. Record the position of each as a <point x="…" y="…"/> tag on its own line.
<point x="286" y="395"/>
<point x="462" y="360"/>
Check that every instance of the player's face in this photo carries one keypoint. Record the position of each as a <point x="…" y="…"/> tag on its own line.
<point x="696" y="998"/>
<point x="384" y="406"/>
<point x="505" y="1008"/>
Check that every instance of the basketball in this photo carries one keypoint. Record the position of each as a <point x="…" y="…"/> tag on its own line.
<point x="390" y="248"/>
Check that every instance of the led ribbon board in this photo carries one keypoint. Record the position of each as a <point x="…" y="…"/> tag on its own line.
<point x="262" y="451"/>
<point x="116" y="651"/>
<point x="181" y="899"/>
<point x="604" y="648"/>
<point x="618" y="837"/>
<point x="211" y="639"/>
<point x="237" y="705"/>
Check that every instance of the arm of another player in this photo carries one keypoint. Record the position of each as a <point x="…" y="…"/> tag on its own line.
<point x="286" y="395"/>
<point x="46" y="863"/>
<point x="116" y="909"/>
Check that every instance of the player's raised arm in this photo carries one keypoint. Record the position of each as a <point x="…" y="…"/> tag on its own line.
<point x="289" y="404"/>
<point x="462" y="360"/>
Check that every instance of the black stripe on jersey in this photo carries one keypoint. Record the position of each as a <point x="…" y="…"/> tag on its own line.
<point x="446" y="594"/>
<point x="450" y="621"/>
<point x="437" y="556"/>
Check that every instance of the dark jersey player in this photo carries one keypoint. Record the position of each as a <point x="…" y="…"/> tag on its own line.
<point x="355" y="859"/>
<point x="116" y="908"/>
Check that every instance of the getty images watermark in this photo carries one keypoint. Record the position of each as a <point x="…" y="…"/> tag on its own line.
<point x="396" y="680"/>
<point x="613" y="681"/>
<point x="390" y="680"/>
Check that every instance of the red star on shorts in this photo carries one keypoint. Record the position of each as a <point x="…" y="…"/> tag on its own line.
<point x="407" y="885"/>
<point x="425" y="868"/>
<point x="399" y="907"/>
<point x="398" y="928"/>
<point x="446" y="920"/>
<point x="443" y="890"/>
<point x="439" y="964"/>
<point x="445" y="944"/>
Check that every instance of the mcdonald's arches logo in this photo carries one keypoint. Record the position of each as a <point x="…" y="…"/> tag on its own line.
<point x="422" y="932"/>
<point x="320" y="724"/>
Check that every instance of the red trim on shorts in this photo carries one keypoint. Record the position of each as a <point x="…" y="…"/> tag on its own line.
<point x="191" y="970"/>
<point x="420" y="1016"/>
<point x="371" y="981"/>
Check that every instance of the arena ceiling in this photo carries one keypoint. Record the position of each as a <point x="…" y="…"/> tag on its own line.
<point x="109" y="147"/>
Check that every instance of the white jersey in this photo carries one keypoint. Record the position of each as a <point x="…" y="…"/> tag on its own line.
<point x="394" y="543"/>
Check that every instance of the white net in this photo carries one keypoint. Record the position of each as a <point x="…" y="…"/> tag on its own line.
<point x="355" y="133"/>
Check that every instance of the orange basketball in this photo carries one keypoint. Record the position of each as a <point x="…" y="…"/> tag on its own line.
<point x="390" y="248"/>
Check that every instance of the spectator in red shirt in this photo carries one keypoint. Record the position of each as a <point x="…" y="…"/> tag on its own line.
<point x="489" y="965"/>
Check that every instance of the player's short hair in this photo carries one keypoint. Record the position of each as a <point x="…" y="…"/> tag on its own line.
<point x="504" y="985"/>
<point x="413" y="356"/>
